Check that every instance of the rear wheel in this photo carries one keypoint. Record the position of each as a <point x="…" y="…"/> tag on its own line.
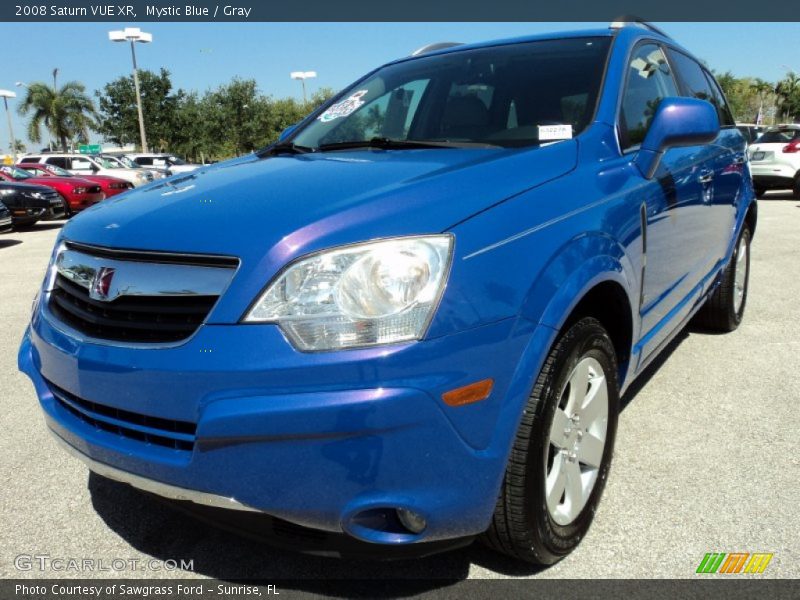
<point x="562" y="452"/>
<point x="796" y="186"/>
<point x="724" y="309"/>
<point x="760" y="190"/>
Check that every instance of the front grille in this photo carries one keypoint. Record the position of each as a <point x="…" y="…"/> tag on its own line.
<point x="150" y="319"/>
<point x="168" y="433"/>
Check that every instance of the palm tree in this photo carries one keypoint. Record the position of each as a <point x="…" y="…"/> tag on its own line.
<point x="67" y="111"/>
<point x="788" y="91"/>
<point x="762" y="89"/>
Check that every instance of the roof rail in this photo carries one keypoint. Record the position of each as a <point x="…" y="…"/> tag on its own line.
<point x="631" y="21"/>
<point x="434" y="47"/>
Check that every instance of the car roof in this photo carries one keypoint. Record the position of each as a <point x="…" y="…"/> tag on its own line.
<point x="629" y="32"/>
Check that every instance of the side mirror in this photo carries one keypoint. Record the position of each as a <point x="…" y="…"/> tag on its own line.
<point x="677" y="122"/>
<point x="287" y="132"/>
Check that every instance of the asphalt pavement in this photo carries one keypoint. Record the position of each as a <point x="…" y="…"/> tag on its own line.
<point x="706" y="459"/>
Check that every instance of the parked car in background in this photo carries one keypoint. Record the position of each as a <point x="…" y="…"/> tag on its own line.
<point x="165" y="161"/>
<point x="77" y="193"/>
<point x="775" y="160"/>
<point x="110" y="186"/>
<point x="30" y="203"/>
<point x="90" y="164"/>
<point x="424" y="302"/>
<point x="6" y="223"/>
<point x="750" y="131"/>
<point x="127" y="163"/>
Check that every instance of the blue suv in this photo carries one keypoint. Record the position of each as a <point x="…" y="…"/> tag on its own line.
<point x="409" y="321"/>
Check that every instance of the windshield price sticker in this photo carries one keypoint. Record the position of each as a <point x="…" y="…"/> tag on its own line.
<point x="344" y="108"/>
<point x="555" y="132"/>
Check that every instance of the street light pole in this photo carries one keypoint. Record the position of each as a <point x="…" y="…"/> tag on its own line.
<point x="302" y="76"/>
<point x="6" y="94"/>
<point x="133" y="35"/>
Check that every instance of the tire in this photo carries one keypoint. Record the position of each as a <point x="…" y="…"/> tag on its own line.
<point x="67" y="208"/>
<point x="760" y="190"/>
<point x="523" y="526"/>
<point x="724" y="308"/>
<point x="796" y="187"/>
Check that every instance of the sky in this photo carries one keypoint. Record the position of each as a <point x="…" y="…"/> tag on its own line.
<point x="200" y="56"/>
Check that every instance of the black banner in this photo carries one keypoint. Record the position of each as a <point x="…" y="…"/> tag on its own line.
<point x="130" y="11"/>
<point x="702" y="588"/>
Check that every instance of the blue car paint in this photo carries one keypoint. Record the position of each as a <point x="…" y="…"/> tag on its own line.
<point x="318" y="438"/>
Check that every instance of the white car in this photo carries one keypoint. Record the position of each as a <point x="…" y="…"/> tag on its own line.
<point x="127" y="163"/>
<point x="90" y="164"/>
<point x="775" y="159"/>
<point x="163" y="161"/>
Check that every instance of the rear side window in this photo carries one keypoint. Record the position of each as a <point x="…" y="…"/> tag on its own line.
<point x="697" y="83"/>
<point x="649" y="81"/>
<point x="29" y="159"/>
<point x="144" y="160"/>
<point x="59" y="161"/>
<point x="718" y="100"/>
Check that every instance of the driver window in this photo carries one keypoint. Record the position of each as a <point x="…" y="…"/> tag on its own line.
<point x="649" y="80"/>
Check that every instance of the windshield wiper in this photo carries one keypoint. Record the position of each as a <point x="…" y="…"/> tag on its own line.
<point x="284" y="148"/>
<point x="390" y="144"/>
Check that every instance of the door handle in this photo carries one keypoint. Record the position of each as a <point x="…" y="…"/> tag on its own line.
<point x="706" y="177"/>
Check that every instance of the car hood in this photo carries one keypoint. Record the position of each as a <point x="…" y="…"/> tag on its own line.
<point x="299" y="203"/>
<point x="24" y="187"/>
<point x="55" y="180"/>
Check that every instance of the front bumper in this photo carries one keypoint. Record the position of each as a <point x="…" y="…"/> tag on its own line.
<point x="79" y="202"/>
<point x="328" y="441"/>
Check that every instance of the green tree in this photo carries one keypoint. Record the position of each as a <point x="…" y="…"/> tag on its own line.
<point x="787" y="92"/>
<point x="67" y="112"/>
<point x="119" y="120"/>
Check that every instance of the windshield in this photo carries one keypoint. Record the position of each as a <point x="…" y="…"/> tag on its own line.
<point x="108" y="162"/>
<point x="15" y="172"/>
<point x="54" y="170"/>
<point x="513" y="95"/>
<point x="127" y="162"/>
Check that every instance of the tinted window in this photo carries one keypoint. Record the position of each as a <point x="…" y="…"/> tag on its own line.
<point x="693" y="80"/>
<point x="649" y="81"/>
<point x="144" y="161"/>
<point x="499" y="95"/>
<point x="29" y="159"/>
<point x="778" y="136"/>
<point x="58" y="161"/>
<point x="718" y="100"/>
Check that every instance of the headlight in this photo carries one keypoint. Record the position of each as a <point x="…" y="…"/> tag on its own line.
<point x="362" y="295"/>
<point x="34" y="195"/>
<point x="79" y="190"/>
<point x="141" y="176"/>
<point x="6" y="193"/>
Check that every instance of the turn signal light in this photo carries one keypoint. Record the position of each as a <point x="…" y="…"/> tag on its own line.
<point x="474" y="392"/>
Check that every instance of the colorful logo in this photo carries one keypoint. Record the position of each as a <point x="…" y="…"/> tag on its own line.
<point x="733" y="563"/>
<point x="101" y="284"/>
<point x="344" y="108"/>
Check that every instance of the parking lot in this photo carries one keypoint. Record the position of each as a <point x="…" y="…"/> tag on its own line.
<point x="706" y="458"/>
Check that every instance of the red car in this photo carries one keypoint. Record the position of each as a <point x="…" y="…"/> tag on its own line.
<point x="111" y="186"/>
<point x="78" y="193"/>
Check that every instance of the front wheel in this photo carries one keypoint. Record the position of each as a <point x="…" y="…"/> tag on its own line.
<point x="724" y="309"/>
<point x="562" y="452"/>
